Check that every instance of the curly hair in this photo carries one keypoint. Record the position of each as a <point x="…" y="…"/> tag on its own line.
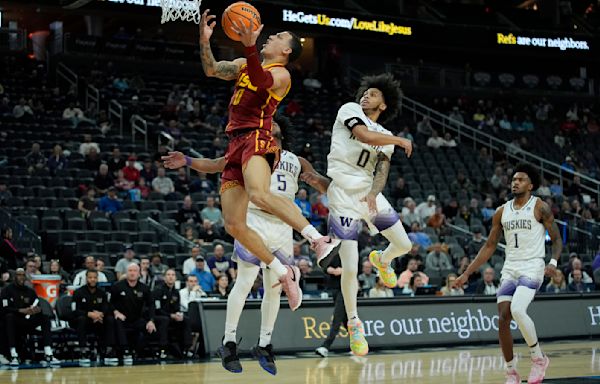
<point x="390" y="89"/>
<point x="531" y="172"/>
<point x="285" y="124"/>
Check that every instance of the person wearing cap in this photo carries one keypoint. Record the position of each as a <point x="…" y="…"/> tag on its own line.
<point x="110" y="203"/>
<point x="426" y="208"/>
<point x="475" y="243"/>
<point x="22" y="315"/>
<point x="190" y="263"/>
<point x="130" y="172"/>
<point x="128" y="258"/>
<point x="568" y="165"/>
<point x="205" y="279"/>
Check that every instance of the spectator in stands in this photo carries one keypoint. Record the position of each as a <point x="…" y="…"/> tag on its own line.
<point x="190" y="263"/>
<point x="435" y="141"/>
<point x="212" y="213"/>
<point x="146" y="275"/>
<point x="220" y="264"/>
<point x="448" y="141"/>
<point x="182" y="182"/>
<point x="560" y="140"/>
<point x="92" y="160"/>
<point x="157" y="268"/>
<point x="438" y="260"/>
<point x="214" y="119"/>
<point x="9" y="252"/>
<point x="574" y="189"/>
<point x="426" y="209"/>
<point x="202" y="184"/>
<point x="462" y="183"/>
<point x="36" y="161"/>
<point x="148" y="172"/>
<point x="110" y="203"/>
<point x="84" y="148"/>
<point x="22" y="110"/>
<point x="448" y="289"/>
<point x="303" y="203"/>
<point x="380" y="290"/>
<point x="120" y="83"/>
<point x="424" y="128"/>
<point x="590" y="164"/>
<point x="91" y="313"/>
<point x="405" y="133"/>
<point x="305" y="267"/>
<point x="366" y="280"/>
<point x="451" y="209"/>
<point x="527" y="125"/>
<point x="555" y="188"/>
<point x="128" y="258"/>
<point x="57" y="161"/>
<point x="320" y="212"/>
<point x="103" y="179"/>
<point x="437" y="220"/>
<point x="122" y="184"/>
<point x="30" y="270"/>
<point x="504" y="123"/>
<point x="162" y="151"/>
<point x="110" y="276"/>
<point x="130" y="172"/>
<point x="208" y="232"/>
<point x="456" y="115"/>
<point x="115" y="163"/>
<point x="475" y="244"/>
<point x="221" y="287"/>
<point x="163" y="184"/>
<point x="5" y="109"/>
<point x="134" y="310"/>
<point x="416" y="281"/>
<point x="168" y="311"/>
<point x="576" y="265"/>
<point x="497" y="180"/>
<point x="577" y="284"/>
<point x="544" y="190"/>
<point x="205" y="279"/>
<point x="488" y="284"/>
<point x="56" y="269"/>
<point x="90" y="265"/>
<point x="568" y="165"/>
<point x="416" y="236"/>
<point x="5" y="194"/>
<point x="22" y="314"/>
<point x="401" y="190"/>
<point x="297" y="252"/>
<point x="409" y="212"/>
<point x="191" y="292"/>
<point x="557" y="283"/>
<point x="140" y="191"/>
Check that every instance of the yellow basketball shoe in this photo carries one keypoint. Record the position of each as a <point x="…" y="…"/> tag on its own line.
<point x="358" y="343"/>
<point x="386" y="272"/>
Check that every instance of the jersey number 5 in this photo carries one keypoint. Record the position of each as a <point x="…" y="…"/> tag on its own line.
<point x="363" y="159"/>
<point x="282" y="183"/>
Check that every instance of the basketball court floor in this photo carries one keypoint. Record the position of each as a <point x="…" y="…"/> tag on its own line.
<point x="571" y="362"/>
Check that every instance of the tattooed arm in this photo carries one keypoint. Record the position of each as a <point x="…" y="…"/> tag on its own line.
<point x="225" y="70"/>
<point x="545" y="216"/>
<point x="382" y="170"/>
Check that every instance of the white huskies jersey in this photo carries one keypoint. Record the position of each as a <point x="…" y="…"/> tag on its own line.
<point x="351" y="163"/>
<point x="525" y="236"/>
<point x="284" y="180"/>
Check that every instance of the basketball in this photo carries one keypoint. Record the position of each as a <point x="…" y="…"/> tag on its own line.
<point x="240" y="13"/>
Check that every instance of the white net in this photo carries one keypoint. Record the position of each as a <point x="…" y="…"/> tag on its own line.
<point x="186" y="10"/>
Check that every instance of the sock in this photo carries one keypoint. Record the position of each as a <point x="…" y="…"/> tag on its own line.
<point x="310" y="233"/>
<point x="230" y="331"/>
<point x="510" y="365"/>
<point x="13" y="352"/>
<point x="48" y="350"/>
<point x="536" y="351"/>
<point x="349" y="280"/>
<point x="399" y="242"/>
<point x="265" y="336"/>
<point x="278" y="268"/>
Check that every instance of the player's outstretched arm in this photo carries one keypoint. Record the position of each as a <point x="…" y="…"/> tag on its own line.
<point x="485" y="252"/>
<point x="362" y="133"/>
<point x="175" y="160"/>
<point x="225" y="70"/>
<point x="312" y="177"/>
<point x="547" y="218"/>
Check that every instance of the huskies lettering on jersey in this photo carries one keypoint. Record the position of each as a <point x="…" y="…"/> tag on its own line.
<point x="346" y="221"/>
<point x="244" y="82"/>
<point x="288" y="167"/>
<point x="511" y="225"/>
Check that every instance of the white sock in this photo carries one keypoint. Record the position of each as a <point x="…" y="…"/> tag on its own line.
<point x="510" y="365"/>
<point x="48" y="350"/>
<point x="237" y="298"/>
<point x="310" y="233"/>
<point x="349" y="281"/>
<point x="13" y="352"/>
<point x="269" y="307"/>
<point x="536" y="351"/>
<point x="399" y="242"/>
<point x="278" y="268"/>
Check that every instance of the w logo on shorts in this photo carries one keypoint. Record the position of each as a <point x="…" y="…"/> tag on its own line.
<point x="346" y="221"/>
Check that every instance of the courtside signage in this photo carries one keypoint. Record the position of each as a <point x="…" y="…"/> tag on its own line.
<point x="349" y="23"/>
<point x="562" y="43"/>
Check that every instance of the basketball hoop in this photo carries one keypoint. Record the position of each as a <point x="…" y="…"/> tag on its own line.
<point x="186" y="10"/>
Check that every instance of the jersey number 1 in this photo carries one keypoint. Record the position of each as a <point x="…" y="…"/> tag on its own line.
<point x="516" y="241"/>
<point x="363" y="159"/>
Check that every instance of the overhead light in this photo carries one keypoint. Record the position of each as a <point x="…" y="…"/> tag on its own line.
<point x="302" y="39"/>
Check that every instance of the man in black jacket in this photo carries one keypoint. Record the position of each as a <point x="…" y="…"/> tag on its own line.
<point x="168" y="310"/>
<point x="91" y="313"/>
<point x="133" y="310"/>
<point x="22" y="314"/>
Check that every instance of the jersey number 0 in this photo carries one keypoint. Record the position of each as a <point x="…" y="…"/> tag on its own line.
<point x="363" y="159"/>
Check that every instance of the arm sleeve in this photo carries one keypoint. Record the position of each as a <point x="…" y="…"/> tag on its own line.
<point x="351" y="115"/>
<point x="258" y="76"/>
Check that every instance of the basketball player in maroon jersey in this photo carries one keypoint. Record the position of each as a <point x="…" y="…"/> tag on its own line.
<point x="252" y="152"/>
